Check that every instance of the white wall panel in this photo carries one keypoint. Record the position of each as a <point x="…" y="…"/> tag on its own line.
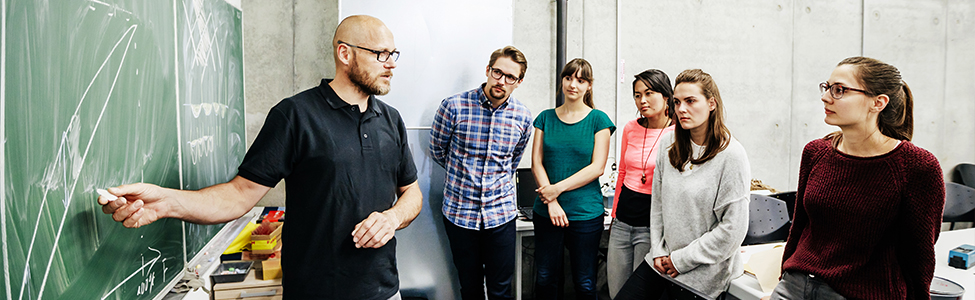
<point x="445" y="46"/>
<point x="959" y="108"/>
<point x="600" y="51"/>
<point x="268" y="68"/>
<point x="534" y="34"/>
<point x="747" y="48"/>
<point x="826" y="32"/>
<point x="910" y="34"/>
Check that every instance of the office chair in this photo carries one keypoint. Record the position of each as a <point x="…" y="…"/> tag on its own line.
<point x="790" y="200"/>
<point x="964" y="173"/>
<point x="959" y="204"/>
<point x="768" y="220"/>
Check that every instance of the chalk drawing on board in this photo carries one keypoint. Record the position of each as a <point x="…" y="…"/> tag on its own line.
<point x="200" y="147"/>
<point x="145" y="270"/>
<point x="114" y="8"/>
<point x="70" y="138"/>
<point x="203" y="45"/>
<point x="206" y="55"/>
<point x="217" y="109"/>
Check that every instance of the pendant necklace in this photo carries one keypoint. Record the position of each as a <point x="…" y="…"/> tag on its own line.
<point x="643" y="179"/>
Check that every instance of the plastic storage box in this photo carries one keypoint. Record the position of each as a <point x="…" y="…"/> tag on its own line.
<point x="231" y="271"/>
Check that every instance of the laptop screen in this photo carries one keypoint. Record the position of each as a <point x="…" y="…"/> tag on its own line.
<point x="525" y="183"/>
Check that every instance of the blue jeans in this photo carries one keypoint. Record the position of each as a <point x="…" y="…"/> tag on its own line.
<point x="628" y="245"/>
<point x="485" y="256"/>
<point x="582" y="240"/>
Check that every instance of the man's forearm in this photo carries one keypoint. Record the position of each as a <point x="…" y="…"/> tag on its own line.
<point x="216" y="204"/>
<point x="408" y="206"/>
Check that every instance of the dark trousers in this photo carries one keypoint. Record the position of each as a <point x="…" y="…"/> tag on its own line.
<point x="582" y="240"/>
<point x="643" y="284"/>
<point x="800" y="286"/>
<point x="485" y="256"/>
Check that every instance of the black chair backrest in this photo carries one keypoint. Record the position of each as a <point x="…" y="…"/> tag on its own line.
<point x="959" y="203"/>
<point x="964" y="173"/>
<point x="768" y="220"/>
<point x="525" y="184"/>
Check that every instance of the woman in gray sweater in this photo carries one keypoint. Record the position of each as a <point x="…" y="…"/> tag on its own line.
<point x="699" y="215"/>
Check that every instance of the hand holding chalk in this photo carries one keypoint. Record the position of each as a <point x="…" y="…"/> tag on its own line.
<point x="106" y="194"/>
<point x="134" y="205"/>
<point x="111" y="203"/>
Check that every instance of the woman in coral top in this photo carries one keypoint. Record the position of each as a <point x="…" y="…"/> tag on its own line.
<point x="869" y="203"/>
<point x="629" y="239"/>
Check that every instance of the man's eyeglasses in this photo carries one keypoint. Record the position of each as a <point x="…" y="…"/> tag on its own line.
<point x="836" y="90"/>
<point x="508" y="78"/>
<point x="381" y="56"/>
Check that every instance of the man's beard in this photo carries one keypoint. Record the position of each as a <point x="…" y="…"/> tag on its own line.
<point x="496" y="96"/>
<point x="361" y="79"/>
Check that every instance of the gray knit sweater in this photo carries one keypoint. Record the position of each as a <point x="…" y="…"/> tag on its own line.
<point x="699" y="217"/>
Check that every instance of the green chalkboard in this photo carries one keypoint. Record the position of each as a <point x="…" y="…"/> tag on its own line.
<point x="211" y="93"/>
<point x="100" y="93"/>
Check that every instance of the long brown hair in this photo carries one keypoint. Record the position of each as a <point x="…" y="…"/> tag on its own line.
<point x="717" y="136"/>
<point x="879" y="78"/>
<point x="585" y="73"/>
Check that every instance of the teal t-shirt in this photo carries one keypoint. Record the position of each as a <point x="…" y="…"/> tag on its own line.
<point x="566" y="149"/>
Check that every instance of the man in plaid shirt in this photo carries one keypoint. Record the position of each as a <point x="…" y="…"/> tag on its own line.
<point x="479" y="136"/>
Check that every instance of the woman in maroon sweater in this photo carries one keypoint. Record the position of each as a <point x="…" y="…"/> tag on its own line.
<point x="869" y="205"/>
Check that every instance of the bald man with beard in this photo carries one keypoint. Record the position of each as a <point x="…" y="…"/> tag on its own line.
<point x="350" y="174"/>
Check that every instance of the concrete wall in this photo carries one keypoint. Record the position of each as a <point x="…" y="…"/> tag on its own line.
<point x="287" y="49"/>
<point x="766" y="56"/>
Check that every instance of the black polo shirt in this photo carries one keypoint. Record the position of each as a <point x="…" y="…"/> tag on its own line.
<point x="340" y="165"/>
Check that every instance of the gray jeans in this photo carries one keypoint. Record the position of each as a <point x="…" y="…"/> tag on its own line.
<point x="798" y="286"/>
<point x="627" y="247"/>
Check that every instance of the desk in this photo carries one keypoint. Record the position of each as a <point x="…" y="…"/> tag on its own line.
<point x="250" y="288"/>
<point x="525" y="228"/>
<point x="746" y="286"/>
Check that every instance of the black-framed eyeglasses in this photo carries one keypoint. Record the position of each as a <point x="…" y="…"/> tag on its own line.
<point x="508" y="78"/>
<point x="836" y="90"/>
<point x="381" y="56"/>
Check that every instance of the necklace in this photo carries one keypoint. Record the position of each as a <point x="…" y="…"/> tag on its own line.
<point x="643" y="179"/>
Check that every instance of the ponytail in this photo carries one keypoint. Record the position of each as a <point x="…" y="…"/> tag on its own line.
<point x="897" y="119"/>
<point x="879" y="78"/>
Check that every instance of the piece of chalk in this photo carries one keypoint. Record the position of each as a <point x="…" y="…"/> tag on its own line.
<point x="106" y="194"/>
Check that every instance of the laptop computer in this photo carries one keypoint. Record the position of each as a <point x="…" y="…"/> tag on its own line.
<point x="525" y="192"/>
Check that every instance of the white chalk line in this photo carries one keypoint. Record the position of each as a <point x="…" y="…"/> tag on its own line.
<point x="151" y="263"/>
<point x="3" y="175"/>
<point x="40" y="212"/>
<point x="68" y="192"/>
<point x="179" y="132"/>
<point x="112" y="6"/>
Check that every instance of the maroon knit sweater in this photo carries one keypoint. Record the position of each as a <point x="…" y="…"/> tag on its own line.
<point x="867" y="225"/>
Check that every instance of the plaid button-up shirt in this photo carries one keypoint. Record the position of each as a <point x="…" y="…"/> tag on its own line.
<point x="480" y="147"/>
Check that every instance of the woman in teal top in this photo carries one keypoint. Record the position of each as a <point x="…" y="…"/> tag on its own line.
<point x="568" y="155"/>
